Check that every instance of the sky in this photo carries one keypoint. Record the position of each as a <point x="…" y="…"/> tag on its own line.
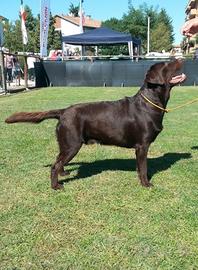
<point x="101" y="9"/>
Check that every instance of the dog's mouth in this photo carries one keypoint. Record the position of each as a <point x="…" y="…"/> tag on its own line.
<point x="178" y="79"/>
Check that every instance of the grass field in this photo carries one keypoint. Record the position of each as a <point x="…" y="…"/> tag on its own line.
<point x="103" y="219"/>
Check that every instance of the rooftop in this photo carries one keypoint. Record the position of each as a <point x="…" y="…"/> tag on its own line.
<point x="88" y="22"/>
<point x="3" y="18"/>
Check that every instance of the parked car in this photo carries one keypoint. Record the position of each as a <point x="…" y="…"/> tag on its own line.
<point x="152" y="55"/>
<point x="162" y="55"/>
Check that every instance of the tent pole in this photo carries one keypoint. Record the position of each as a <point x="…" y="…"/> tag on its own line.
<point x="81" y="56"/>
<point x="132" y="49"/>
<point x="130" y="46"/>
<point x="96" y="50"/>
<point x="3" y="73"/>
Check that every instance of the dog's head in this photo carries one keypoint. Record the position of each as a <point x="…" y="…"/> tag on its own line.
<point x="164" y="73"/>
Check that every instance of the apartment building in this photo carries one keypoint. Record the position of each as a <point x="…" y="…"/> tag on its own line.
<point x="192" y="12"/>
<point x="192" y="9"/>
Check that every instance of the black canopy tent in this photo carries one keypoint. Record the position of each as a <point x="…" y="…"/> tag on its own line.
<point x="103" y="36"/>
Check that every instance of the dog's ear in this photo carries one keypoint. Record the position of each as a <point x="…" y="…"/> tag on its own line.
<point x="155" y="75"/>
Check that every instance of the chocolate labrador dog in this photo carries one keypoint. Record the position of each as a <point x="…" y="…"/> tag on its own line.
<point x="132" y="122"/>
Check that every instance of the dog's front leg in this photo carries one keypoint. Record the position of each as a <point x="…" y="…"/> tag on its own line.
<point x="141" y="161"/>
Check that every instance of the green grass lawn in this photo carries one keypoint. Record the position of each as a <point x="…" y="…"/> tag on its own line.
<point x="103" y="219"/>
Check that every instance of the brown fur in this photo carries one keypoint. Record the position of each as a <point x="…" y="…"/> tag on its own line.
<point x="131" y="122"/>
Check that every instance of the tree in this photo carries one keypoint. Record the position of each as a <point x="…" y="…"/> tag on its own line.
<point x="36" y="42"/>
<point x="162" y="43"/>
<point x="54" y="37"/>
<point x="135" y="22"/>
<point x="114" y="24"/>
<point x="13" y="34"/>
<point x="31" y="26"/>
<point x="17" y="37"/>
<point x="167" y="21"/>
<point x="74" y="10"/>
<point x="8" y="36"/>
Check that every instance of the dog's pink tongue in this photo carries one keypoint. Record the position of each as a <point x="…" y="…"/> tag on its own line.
<point x="178" y="79"/>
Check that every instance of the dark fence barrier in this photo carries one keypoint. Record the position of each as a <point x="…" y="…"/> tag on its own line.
<point x="102" y="73"/>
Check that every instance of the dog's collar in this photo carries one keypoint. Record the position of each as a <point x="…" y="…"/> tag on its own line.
<point x="155" y="105"/>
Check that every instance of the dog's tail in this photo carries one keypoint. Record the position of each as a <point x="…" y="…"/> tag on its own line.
<point x="33" y="117"/>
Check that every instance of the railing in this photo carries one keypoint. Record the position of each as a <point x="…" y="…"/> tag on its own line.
<point x="20" y="75"/>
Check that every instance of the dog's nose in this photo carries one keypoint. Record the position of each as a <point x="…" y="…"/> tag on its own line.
<point x="179" y="63"/>
<point x="180" y="60"/>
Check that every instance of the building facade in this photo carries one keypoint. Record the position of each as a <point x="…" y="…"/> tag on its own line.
<point x="70" y="25"/>
<point x="3" y="19"/>
<point x="192" y="9"/>
<point x="192" y="12"/>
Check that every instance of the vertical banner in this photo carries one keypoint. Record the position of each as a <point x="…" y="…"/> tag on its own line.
<point x="44" y="26"/>
<point x="23" y="27"/>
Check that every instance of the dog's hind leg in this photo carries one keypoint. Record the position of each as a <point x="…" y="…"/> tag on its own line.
<point x="72" y="152"/>
<point x="63" y="172"/>
<point x="55" y="170"/>
<point x="69" y="145"/>
<point x="62" y="159"/>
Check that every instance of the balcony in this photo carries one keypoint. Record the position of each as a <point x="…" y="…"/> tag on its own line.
<point x="193" y="13"/>
<point x="191" y="4"/>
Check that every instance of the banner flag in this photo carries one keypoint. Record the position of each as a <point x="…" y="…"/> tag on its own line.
<point x="23" y="27"/>
<point x="44" y="26"/>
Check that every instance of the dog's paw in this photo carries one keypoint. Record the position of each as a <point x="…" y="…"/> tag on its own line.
<point x="64" y="173"/>
<point x="147" y="184"/>
<point x="58" y="186"/>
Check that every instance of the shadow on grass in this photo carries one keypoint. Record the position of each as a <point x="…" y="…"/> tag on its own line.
<point x="154" y="165"/>
<point x="194" y="148"/>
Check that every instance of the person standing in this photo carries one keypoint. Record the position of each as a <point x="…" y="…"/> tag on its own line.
<point x="30" y="63"/>
<point x="16" y="69"/>
<point x="9" y="66"/>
